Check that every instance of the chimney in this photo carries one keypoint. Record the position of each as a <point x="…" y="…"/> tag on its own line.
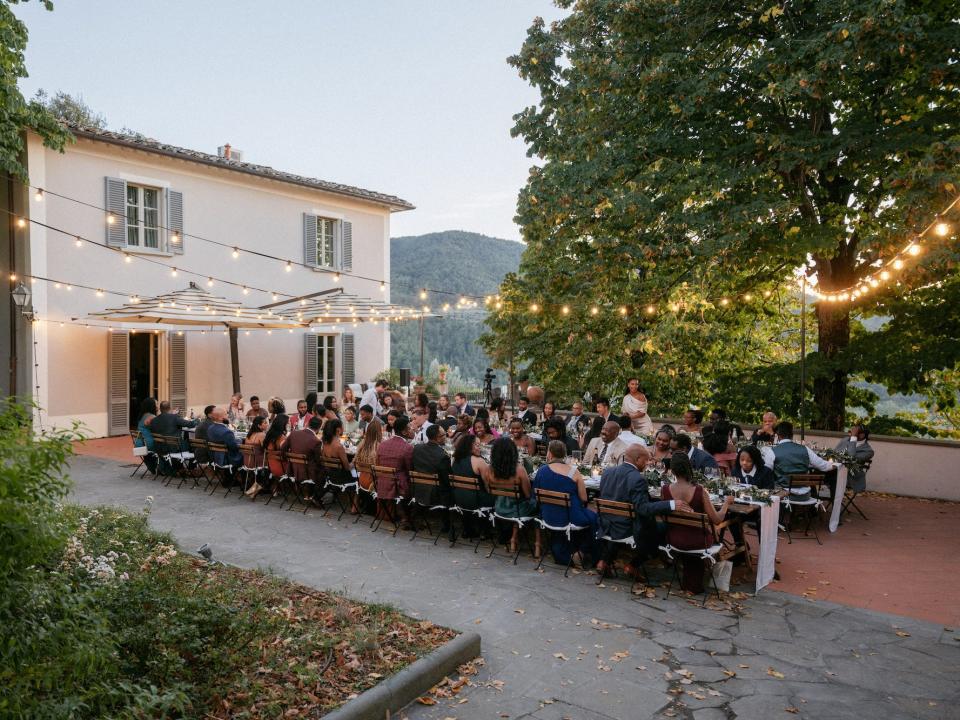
<point x="228" y="153"/>
<point x="225" y="151"/>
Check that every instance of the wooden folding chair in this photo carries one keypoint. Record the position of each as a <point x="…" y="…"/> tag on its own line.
<point x="850" y="497"/>
<point x="430" y="484"/>
<point x="222" y="470"/>
<point x="134" y="437"/>
<point x="201" y="461"/>
<point x="385" y="480"/>
<point x="339" y="481"/>
<point x="709" y="554"/>
<point x="807" y="503"/>
<point x="514" y="492"/>
<point x="304" y="485"/>
<point x="252" y="468"/>
<point x="365" y="493"/>
<point x="469" y="485"/>
<point x="625" y="510"/>
<point x="559" y="500"/>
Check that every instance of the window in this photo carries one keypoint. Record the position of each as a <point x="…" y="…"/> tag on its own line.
<point x="326" y="364"/>
<point x="143" y="217"/>
<point x="326" y="229"/>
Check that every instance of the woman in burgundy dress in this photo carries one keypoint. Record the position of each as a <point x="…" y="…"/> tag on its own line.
<point x="691" y="538"/>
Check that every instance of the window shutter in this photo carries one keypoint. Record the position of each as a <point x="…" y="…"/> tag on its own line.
<point x="118" y="383"/>
<point x="116" y="204"/>
<point x="346" y="233"/>
<point x="174" y="220"/>
<point x="348" y="357"/>
<point x="178" y="371"/>
<point x="309" y="363"/>
<point x="310" y="240"/>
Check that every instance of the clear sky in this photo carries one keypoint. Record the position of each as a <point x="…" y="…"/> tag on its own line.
<point x="409" y="97"/>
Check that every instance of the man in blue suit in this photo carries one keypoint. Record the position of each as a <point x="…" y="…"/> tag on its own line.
<point x="626" y="483"/>
<point x="699" y="459"/>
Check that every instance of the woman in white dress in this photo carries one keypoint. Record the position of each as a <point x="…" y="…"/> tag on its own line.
<point x="635" y="407"/>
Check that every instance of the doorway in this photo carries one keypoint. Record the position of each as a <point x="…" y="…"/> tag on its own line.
<point x="144" y="371"/>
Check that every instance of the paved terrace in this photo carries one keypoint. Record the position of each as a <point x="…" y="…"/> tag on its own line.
<point x="564" y="648"/>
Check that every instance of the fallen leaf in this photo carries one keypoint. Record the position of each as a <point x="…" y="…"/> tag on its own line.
<point x="791" y="709"/>
<point x="774" y="673"/>
<point x="743" y="666"/>
<point x="729" y="673"/>
<point x="560" y="656"/>
<point x="519" y="611"/>
<point x="902" y="633"/>
<point x="426" y="700"/>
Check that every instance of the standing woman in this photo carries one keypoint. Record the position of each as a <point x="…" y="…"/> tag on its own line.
<point x="236" y="411"/>
<point x="365" y="458"/>
<point x="635" y="407"/>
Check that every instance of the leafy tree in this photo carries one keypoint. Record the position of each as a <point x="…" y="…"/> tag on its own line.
<point x="694" y="153"/>
<point x="16" y="113"/>
<point x="72" y="109"/>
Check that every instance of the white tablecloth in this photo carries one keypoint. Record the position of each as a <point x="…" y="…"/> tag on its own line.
<point x="837" y="507"/>
<point x="767" y="552"/>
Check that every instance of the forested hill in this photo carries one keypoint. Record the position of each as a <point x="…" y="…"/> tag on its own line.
<point x="462" y="262"/>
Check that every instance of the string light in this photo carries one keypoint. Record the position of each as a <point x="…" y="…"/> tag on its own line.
<point x="21" y="223"/>
<point x="383" y="286"/>
<point x="423" y="294"/>
<point x="594" y="310"/>
<point x="651" y="309"/>
<point x="289" y="266"/>
<point x="110" y="221"/>
<point x="78" y="242"/>
<point x="173" y="272"/>
<point x="534" y="307"/>
<point x="38" y="196"/>
<point x="209" y="282"/>
<point x="913" y="249"/>
<point x="336" y="277"/>
<point x="941" y="228"/>
<point x="13" y="276"/>
<point x="236" y="253"/>
<point x="623" y="310"/>
<point x="127" y="258"/>
<point x="175" y="238"/>
<point x="565" y="310"/>
<point x="724" y="301"/>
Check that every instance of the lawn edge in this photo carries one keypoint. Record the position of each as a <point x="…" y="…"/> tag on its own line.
<point x="398" y="691"/>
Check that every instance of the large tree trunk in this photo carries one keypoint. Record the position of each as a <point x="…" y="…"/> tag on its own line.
<point x="830" y="392"/>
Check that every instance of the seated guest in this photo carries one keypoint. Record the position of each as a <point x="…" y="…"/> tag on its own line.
<point x="692" y="422"/>
<point x="467" y="462"/>
<point x="331" y="408"/>
<point x="350" y="422"/>
<point x="275" y="406"/>
<point x="254" y="440"/>
<point x="305" y="440"/>
<point x="255" y="409"/>
<point x="767" y="429"/>
<point x="627" y="436"/>
<point x="607" y="449"/>
<point x="716" y="442"/>
<point x="520" y="438"/>
<point x="419" y="423"/>
<point x="484" y="414"/>
<point x="348" y="398"/>
<point x="464" y="426"/>
<point x="557" y="476"/>
<point x="235" y="410"/>
<point x="555" y="430"/>
<point x="604" y="416"/>
<point x="429" y="457"/>
<point x="446" y="417"/>
<point x="856" y="444"/>
<point x="387" y="405"/>
<point x="699" y="459"/>
<point x="219" y="432"/>
<point x="148" y="411"/>
<point x="396" y="452"/>
<point x="661" y="446"/>
<point x="422" y="401"/>
<point x="365" y="458"/>
<point x="788" y="458"/>
<point x="686" y="490"/>
<point x="549" y="411"/>
<point x="720" y="415"/>
<point x="367" y="417"/>
<point x="482" y="431"/>
<point x="575" y="420"/>
<point x="432" y="412"/>
<point x="626" y="483"/>
<point x="463" y="407"/>
<point x="750" y="469"/>
<point x="200" y="454"/>
<point x="498" y="412"/>
<point x="524" y="414"/>
<point x="391" y="420"/>
<point x="506" y="470"/>
<point x="331" y="448"/>
<point x="170" y="424"/>
<point x="301" y="418"/>
<point x="273" y="442"/>
<point x="311" y="399"/>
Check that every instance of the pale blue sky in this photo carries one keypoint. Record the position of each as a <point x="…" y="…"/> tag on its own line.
<point x="413" y="98"/>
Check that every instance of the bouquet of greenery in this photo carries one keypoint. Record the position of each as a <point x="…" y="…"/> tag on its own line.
<point x="851" y="463"/>
<point x="721" y="487"/>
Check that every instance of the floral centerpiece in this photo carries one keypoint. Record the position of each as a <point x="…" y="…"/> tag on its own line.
<point x="851" y="463"/>
<point x="723" y="487"/>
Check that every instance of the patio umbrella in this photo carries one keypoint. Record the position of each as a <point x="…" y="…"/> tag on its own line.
<point x="195" y="306"/>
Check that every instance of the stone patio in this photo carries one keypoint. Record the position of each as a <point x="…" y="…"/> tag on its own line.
<point x="565" y="648"/>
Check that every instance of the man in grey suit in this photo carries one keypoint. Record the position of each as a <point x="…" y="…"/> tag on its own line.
<point x="699" y="459"/>
<point x="857" y="443"/>
<point x="626" y="483"/>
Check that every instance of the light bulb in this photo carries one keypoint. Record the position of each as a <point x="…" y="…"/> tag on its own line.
<point x="565" y="310"/>
<point x="898" y="264"/>
<point x="499" y="305"/>
<point x="21" y="222"/>
<point x="78" y="242"/>
<point x="651" y="309"/>
<point x="127" y="258"/>
<point x="748" y="297"/>
<point x="423" y="294"/>
<point x="275" y="297"/>
<point x="13" y="276"/>
<point x="446" y="306"/>
<point x="289" y="266"/>
<point x="209" y="282"/>
<point x="175" y="238"/>
<point x="724" y="301"/>
<point x="767" y="293"/>
<point x="38" y="196"/>
<point x="383" y="286"/>
<point x="173" y="272"/>
<point x="942" y="228"/>
<point x="336" y="277"/>
<point x="623" y="310"/>
<point x="99" y="293"/>
<point x="884" y="274"/>
<point x="236" y="253"/>
<point x="534" y="307"/>
<point x="245" y="291"/>
<point x="110" y="221"/>
<point x="594" y="310"/>
<point x="914" y="249"/>
<point x="873" y="282"/>
<point x="135" y="299"/>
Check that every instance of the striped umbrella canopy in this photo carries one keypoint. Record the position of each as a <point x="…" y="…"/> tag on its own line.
<point x="195" y="306"/>
<point x="342" y="306"/>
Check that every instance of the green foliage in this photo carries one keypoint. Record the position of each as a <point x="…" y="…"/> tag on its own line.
<point x="64" y="106"/>
<point x="16" y="113"/>
<point x="32" y="485"/>
<point x="819" y="133"/>
<point x="456" y="261"/>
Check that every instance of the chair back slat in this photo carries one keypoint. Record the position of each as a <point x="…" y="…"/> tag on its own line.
<point x="809" y="480"/>
<point x="463" y="482"/>
<point x="552" y="497"/>
<point x="426" y="479"/>
<point x="505" y="488"/>
<point x="701" y="521"/>
<point x="615" y="508"/>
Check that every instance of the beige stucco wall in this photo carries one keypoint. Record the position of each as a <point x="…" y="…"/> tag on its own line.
<point x="251" y="212"/>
